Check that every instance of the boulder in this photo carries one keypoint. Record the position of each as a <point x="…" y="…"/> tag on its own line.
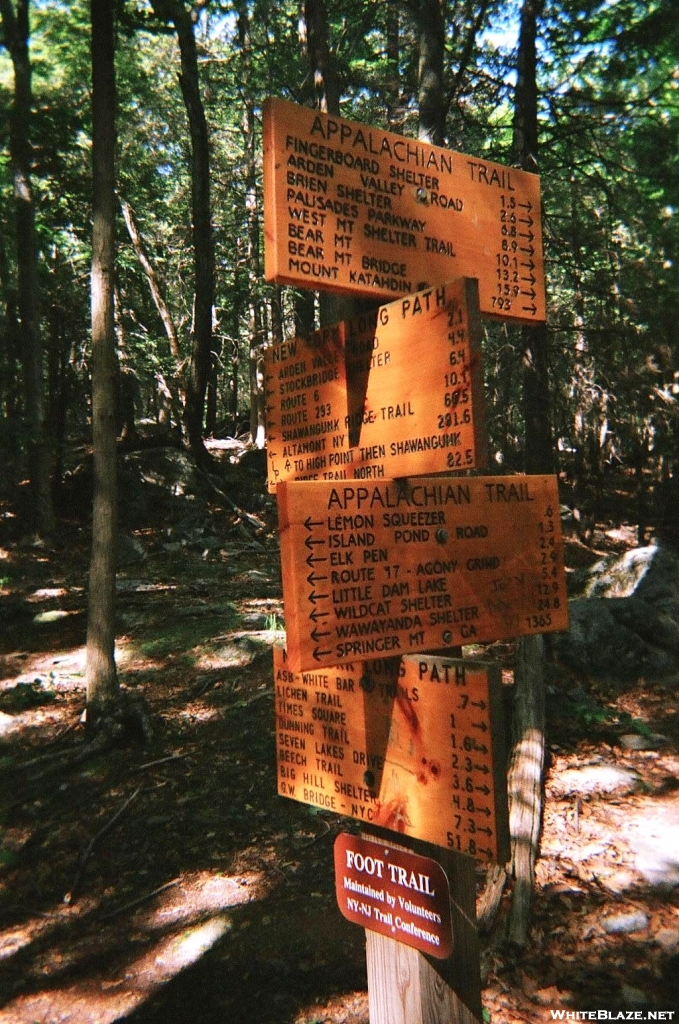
<point x="624" y="621"/>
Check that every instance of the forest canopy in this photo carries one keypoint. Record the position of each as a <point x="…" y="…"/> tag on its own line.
<point x="608" y="115"/>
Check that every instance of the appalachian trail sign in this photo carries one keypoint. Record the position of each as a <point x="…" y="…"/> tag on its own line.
<point x="361" y="211"/>
<point x="388" y="568"/>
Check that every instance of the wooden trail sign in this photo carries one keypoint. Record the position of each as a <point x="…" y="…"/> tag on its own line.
<point x="378" y="569"/>
<point x="358" y="210"/>
<point x="392" y="393"/>
<point x="413" y="744"/>
<point x="394" y="892"/>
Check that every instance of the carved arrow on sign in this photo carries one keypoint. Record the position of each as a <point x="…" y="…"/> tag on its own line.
<point x="314" y="577"/>
<point x="310" y="559"/>
<point x="309" y="542"/>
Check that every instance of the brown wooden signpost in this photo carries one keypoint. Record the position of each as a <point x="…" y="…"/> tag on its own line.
<point x="346" y="404"/>
<point x="406" y="987"/>
<point x="415" y="745"/>
<point x="380" y="569"/>
<point x="357" y="210"/>
<point x="380" y="559"/>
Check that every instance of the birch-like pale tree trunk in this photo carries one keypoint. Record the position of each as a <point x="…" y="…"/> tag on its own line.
<point x="102" y="680"/>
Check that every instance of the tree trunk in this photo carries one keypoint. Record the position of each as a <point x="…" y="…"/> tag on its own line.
<point x="539" y="444"/>
<point x="321" y="60"/>
<point x="585" y="398"/>
<point x="277" y="330"/>
<point x="431" y="98"/>
<point x="17" y="31"/>
<point x="393" y="81"/>
<point x="527" y="759"/>
<point x="466" y="50"/>
<point x="212" y="393"/>
<point x="327" y="98"/>
<point x="539" y="447"/>
<point x="57" y="361"/>
<point x="152" y="278"/>
<point x="178" y="391"/>
<point x="203" y="247"/>
<point x="304" y="313"/>
<point x="235" y="353"/>
<point x="525" y="780"/>
<point x="256" y="327"/>
<point x="102" y="681"/>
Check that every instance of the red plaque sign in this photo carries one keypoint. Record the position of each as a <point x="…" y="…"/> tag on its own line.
<point x="394" y="892"/>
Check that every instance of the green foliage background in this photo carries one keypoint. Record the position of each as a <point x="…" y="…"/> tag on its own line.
<point x="609" y="162"/>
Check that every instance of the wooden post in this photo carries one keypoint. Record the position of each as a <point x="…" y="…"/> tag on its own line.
<point x="525" y="781"/>
<point x="364" y="402"/>
<point x="408" y="987"/>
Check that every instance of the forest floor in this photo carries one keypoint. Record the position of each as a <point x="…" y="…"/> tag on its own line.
<point x="169" y="883"/>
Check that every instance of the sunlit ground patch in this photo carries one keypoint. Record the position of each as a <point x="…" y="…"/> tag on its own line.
<point x="349" y="1007"/>
<point x="205" y="893"/>
<point x="47" y="593"/>
<point x="183" y="923"/>
<point x="188" y="947"/>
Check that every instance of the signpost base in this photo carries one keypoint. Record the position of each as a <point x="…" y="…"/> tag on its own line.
<point x="408" y="987"/>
